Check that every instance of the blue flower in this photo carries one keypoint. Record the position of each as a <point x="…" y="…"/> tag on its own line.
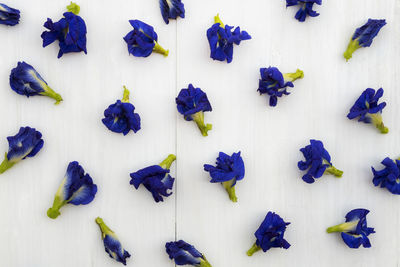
<point x="155" y="178"/>
<point x="354" y="231"/>
<point x="228" y="171"/>
<point x="26" y="143"/>
<point x="9" y="16"/>
<point x="192" y="103"/>
<point x="306" y="8"/>
<point x="76" y="188"/>
<point x="142" y="40"/>
<point x="25" y="80"/>
<point x="70" y="31"/>
<point x="171" y="9"/>
<point x="270" y="234"/>
<point x="274" y="83"/>
<point x="111" y="243"/>
<point x="120" y="117"/>
<point x="317" y="162"/>
<point x="367" y="109"/>
<point x="364" y="36"/>
<point x="185" y="254"/>
<point x="221" y="39"/>
<point x="388" y="177"/>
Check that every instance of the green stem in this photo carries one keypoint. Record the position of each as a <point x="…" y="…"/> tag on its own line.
<point x="204" y="262"/>
<point x="6" y="164"/>
<point x="332" y="170"/>
<point x="103" y="227"/>
<point x="218" y="20"/>
<point x="158" y="49"/>
<point x="74" y="8"/>
<point x="343" y="227"/>
<point x="230" y="189"/>
<point x="291" y="77"/>
<point x="377" y="121"/>
<point x="50" y="93"/>
<point x="166" y="163"/>
<point x="253" y="249"/>
<point x="199" y="119"/>
<point x="125" y="98"/>
<point x="353" y="46"/>
<point x="54" y="211"/>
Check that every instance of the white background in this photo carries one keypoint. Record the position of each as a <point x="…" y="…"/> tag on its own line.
<point x="269" y="138"/>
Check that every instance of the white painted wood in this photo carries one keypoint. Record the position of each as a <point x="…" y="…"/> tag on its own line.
<point x="269" y="138"/>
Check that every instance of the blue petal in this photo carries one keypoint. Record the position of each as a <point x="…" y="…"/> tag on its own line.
<point x="183" y="253"/>
<point x="191" y="101"/>
<point x="114" y="248"/>
<point x="171" y="9"/>
<point x="26" y="143"/>
<point x="9" y="16"/>
<point x="25" y="80"/>
<point x="366" y="33"/>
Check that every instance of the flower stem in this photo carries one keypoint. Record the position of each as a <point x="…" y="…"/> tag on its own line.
<point x="50" y="93"/>
<point x="230" y="189"/>
<point x="74" y="8"/>
<point x="353" y="46"/>
<point x="125" y="98"/>
<point x="158" y="49"/>
<point x="343" y="227"/>
<point x="54" y="211"/>
<point x="204" y="262"/>
<point x="6" y="164"/>
<point x="199" y="119"/>
<point x="253" y="249"/>
<point x="103" y="227"/>
<point x="332" y="170"/>
<point x="377" y="121"/>
<point x="291" y="77"/>
<point x="218" y="20"/>
<point x="166" y="163"/>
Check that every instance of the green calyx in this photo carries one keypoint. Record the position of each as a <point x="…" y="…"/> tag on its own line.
<point x="253" y="249"/>
<point x="54" y="211"/>
<point x="344" y="227"/>
<point x="125" y="97"/>
<point x="50" y="93"/>
<point x="332" y="170"/>
<point x="74" y="8"/>
<point x="199" y="119"/>
<point x="230" y="189"/>
<point x="218" y="20"/>
<point x="291" y="77"/>
<point x="353" y="46"/>
<point x="377" y="121"/>
<point x="204" y="262"/>
<point x="103" y="227"/>
<point x="166" y="163"/>
<point x="6" y="164"/>
<point x="158" y="49"/>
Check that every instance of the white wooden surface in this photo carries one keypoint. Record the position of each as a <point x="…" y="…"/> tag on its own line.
<point x="269" y="138"/>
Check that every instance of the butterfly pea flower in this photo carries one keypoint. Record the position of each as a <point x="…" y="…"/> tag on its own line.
<point x="192" y="103"/>
<point x="171" y="9"/>
<point x="364" y="36"/>
<point x="228" y="171"/>
<point x="26" y="143"/>
<point x="368" y="110"/>
<point x="221" y="39"/>
<point x="305" y="8"/>
<point x="275" y="84"/>
<point x="70" y="31"/>
<point x="111" y="242"/>
<point x="155" y="179"/>
<point x="120" y="116"/>
<point x="354" y="231"/>
<point x="317" y="162"/>
<point x="9" y="16"/>
<point x="142" y="40"/>
<point x="76" y="188"/>
<point x="270" y="234"/>
<point x="25" y="80"/>
<point x="388" y="177"/>
<point x="185" y="254"/>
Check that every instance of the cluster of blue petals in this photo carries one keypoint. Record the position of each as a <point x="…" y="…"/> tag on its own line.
<point x="271" y="232"/>
<point x="367" y="104"/>
<point x="305" y="8"/>
<point x="228" y="168"/>
<point x="9" y="16"/>
<point x="388" y="177"/>
<point x="317" y="159"/>
<point x="183" y="253"/>
<point x="70" y="31"/>
<point x="273" y="84"/>
<point x="141" y="40"/>
<point x="114" y="249"/>
<point x="121" y="118"/>
<point x="26" y="143"/>
<point x="25" y="80"/>
<point x="191" y="101"/>
<point x="366" y="33"/>
<point x="171" y="9"/>
<point x="221" y="40"/>
<point x="155" y="179"/>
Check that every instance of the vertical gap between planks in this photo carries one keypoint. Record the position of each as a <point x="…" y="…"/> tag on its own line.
<point x="176" y="133"/>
